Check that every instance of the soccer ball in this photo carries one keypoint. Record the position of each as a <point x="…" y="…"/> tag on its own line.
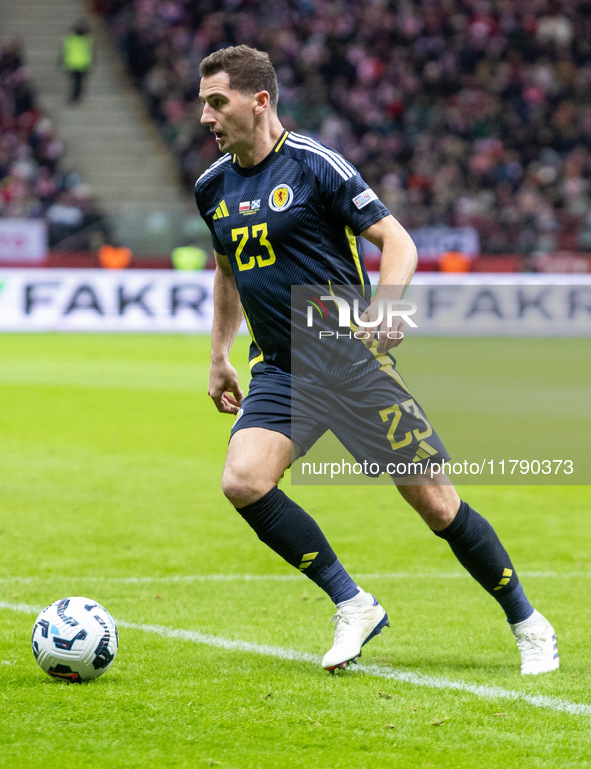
<point x="75" y="639"/>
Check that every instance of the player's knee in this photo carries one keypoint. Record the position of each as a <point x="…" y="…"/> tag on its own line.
<point x="438" y="515"/>
<point x="241" y="489"/>
<point x="437" y="505"/>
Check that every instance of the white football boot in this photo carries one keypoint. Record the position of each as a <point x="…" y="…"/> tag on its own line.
<point x="536" y="641"/>
<point x="356" y="622"/>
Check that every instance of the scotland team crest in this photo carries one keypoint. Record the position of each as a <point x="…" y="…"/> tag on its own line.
<point x="281" y="197"/>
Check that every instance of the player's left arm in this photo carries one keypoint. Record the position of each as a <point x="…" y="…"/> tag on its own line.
<point x="398" y="263"/>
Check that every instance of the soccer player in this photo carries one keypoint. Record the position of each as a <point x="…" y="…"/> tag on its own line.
<point x="284" y="210"/>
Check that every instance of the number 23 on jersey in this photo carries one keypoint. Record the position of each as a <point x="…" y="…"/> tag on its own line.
<point x="258" y="232"/>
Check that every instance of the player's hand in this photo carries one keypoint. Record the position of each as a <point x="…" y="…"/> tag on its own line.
<point x="224" y="388"/>
<point x="384" y="335"/>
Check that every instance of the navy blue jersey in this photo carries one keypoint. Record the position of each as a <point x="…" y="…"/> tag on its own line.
<point x="291" y="220"/>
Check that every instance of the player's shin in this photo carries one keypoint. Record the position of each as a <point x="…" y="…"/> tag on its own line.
<point x="294" y="535"/>
<point x="477" y="547"/>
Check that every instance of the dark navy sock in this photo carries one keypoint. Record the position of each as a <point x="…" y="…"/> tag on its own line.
<point x="294" y="535"/>
<point x="477" y="547"/>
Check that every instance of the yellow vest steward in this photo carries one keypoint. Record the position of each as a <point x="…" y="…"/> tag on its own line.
<point x="78" y="52"/>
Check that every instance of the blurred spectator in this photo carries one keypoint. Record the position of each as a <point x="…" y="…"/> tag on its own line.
<point x="454" y="261"/>
<point x="77" y="58"/>
<point x="461" y="112"/>
<point x="188" y="257"/>
<point x="33" y="182"/>
<point x="74" y="223"/>
<point x="64" y="218"/>
<point x="114" y="257"/>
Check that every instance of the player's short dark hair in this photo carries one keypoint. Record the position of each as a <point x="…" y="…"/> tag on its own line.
<point x="249" y="70"/>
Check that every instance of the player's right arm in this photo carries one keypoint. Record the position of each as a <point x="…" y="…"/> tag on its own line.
<point x="224" y="388"/>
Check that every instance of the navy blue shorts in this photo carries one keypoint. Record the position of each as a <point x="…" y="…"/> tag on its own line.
<point x="375" y="418"/>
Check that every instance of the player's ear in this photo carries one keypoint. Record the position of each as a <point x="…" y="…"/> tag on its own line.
<point x="262" y="100"/>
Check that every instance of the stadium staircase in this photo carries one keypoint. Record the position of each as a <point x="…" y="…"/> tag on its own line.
<point x="109" y="137"/>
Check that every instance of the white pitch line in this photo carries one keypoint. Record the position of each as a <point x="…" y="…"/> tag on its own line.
<point x="280" y="577"/>
<point x="291" y="655"/>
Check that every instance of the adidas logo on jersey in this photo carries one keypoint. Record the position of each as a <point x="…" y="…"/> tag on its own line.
<point x="221" y="211"/>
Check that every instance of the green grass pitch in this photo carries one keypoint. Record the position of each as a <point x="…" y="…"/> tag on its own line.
<point x="109" y="488"/>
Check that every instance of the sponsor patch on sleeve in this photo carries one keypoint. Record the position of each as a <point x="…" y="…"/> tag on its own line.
<point x="364" y="198"/>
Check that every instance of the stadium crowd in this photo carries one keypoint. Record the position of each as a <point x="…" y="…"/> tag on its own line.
<point x="463" y="112"/>
<point x="33" y="181"/>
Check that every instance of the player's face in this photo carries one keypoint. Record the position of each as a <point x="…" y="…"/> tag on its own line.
<point x="228" y="114"/>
